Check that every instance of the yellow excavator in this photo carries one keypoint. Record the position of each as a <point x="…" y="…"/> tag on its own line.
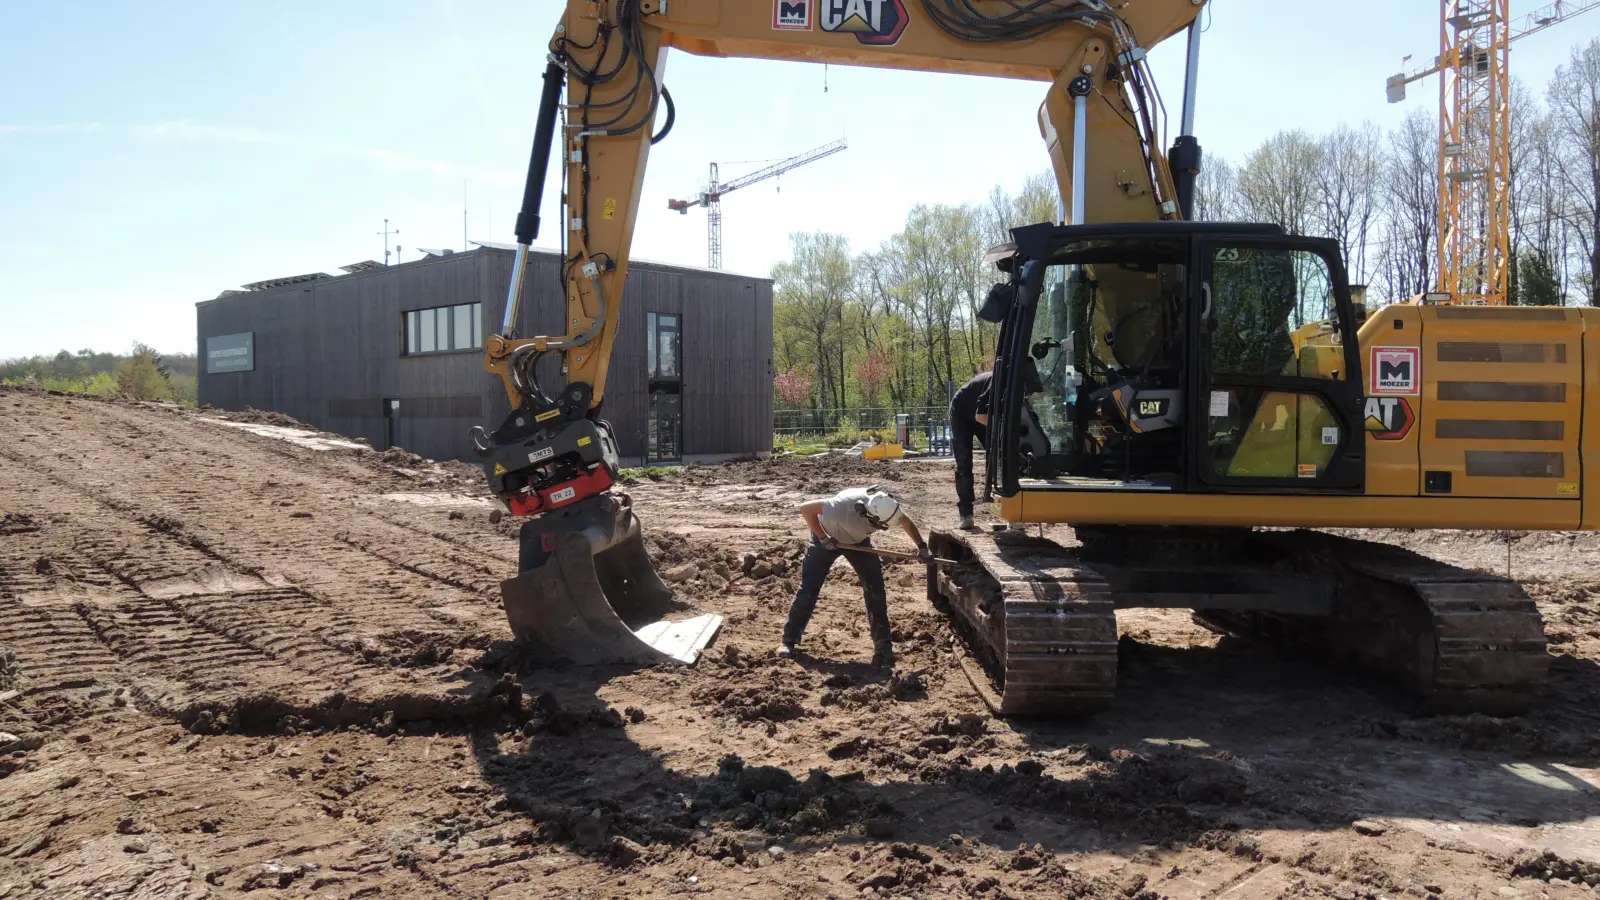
<point x="1186" y="395"/>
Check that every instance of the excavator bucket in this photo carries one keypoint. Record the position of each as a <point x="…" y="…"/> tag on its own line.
<point x="587" y="592"/>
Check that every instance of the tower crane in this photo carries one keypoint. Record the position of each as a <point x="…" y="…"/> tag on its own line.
<point x="711" y="197"/>
<point x="1475" y="37"/>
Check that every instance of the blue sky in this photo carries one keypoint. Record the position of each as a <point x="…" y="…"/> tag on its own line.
<point x="153" y="154"/>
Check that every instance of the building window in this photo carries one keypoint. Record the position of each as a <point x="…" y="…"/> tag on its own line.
<point x="664" y="374"/>
<point x="443" y="329"/>
<point x="664" y="343"/>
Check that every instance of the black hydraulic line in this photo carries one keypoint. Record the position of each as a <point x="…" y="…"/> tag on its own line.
<point x="672" y="116"/>
<point x="543" y="134"/>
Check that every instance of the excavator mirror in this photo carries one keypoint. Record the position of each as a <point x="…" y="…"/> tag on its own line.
<point x="998" y="303"/>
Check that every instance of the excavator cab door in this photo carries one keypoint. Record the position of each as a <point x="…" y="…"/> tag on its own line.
<point x="1276" y="368"/>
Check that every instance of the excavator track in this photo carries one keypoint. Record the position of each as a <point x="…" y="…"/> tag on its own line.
<point x="1457" y="640"/>
<point x="1039" y="620"/>
<point x="1041" y="625"/>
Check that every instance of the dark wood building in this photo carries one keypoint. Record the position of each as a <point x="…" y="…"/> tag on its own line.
<point x="394" y="353"/>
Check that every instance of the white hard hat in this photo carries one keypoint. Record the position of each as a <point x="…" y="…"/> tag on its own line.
<point x="881" y="509"/>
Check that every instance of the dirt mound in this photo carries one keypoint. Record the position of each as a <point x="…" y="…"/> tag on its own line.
<point x="1520" y="736"/>
<point x="254" y="416"/>
<point x="771" y="702"/>
<point x="1551" y="866"/>
<point x="404" y="469"/>
<point x="703" y="570"/>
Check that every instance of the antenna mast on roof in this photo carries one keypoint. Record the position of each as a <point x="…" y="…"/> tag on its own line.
<point x="386" y="232"/>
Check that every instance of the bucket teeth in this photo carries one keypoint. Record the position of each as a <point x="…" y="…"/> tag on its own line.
<point x="591" y="595"/>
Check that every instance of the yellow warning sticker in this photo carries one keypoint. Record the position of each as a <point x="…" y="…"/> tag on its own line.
<point x="499" y="469"/>
<point x="1306" y="471"/>
<point x="610" y="211"/>
<point x="551" y="414"/>
<point x="1567" y="487"/>
<point x="583" y="442"/>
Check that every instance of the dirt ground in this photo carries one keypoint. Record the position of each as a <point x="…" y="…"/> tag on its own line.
<point x="244" y="657"/>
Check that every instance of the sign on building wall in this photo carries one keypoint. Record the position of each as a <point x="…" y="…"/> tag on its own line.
<point x="231" y="353"/>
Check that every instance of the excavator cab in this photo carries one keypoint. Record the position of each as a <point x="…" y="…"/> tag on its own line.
<point x="1166" y="356"/>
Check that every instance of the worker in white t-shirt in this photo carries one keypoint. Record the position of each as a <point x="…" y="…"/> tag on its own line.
<point x="849" y="519"/>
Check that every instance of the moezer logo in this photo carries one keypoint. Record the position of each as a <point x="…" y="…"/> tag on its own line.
<point x="876" y="22"/>
<point x="1395" y="370"/>
<point x="791" y="15"/>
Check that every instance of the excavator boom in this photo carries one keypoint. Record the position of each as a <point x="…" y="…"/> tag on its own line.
<point x="554" y="459"/>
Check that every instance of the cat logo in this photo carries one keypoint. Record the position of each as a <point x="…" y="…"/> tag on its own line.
<point x="499" y="469"/>
<point x="1152" y="409"/>
<point x="791" y="15"/>
<point x="1389" y="418"/>
<point x="874" y="22"/>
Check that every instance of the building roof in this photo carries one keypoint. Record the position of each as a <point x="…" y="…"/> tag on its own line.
<point x="365" y="265"/>
<point x="496" y="245"/>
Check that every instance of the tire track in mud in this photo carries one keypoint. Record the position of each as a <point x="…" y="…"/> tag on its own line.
<point x="404" y="597"/>
<point x="211" y="645"/>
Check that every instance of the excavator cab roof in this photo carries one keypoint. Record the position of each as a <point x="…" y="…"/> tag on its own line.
<point x="1039" y="240"/>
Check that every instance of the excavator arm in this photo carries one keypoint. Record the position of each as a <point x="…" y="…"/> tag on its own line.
<point x="554" y="458"/>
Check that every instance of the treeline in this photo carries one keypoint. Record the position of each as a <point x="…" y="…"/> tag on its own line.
<point x="142" y="374"/>
<point x="895" y="325"/>
<point x="1377" y="193"/>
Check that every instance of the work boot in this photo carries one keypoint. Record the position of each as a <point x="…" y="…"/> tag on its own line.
<point x="883" y="656"/>
<point x="784" y="651"/>
<point x="966" y="523"/>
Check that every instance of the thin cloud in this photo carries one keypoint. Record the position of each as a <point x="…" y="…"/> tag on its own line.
<point x="192" y="132"/>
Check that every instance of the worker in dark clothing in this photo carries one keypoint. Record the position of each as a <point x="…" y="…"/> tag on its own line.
<point x="969" y="418"/>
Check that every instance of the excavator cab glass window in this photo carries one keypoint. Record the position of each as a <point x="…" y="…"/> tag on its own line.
<point x="1270" y="309"/>
<point x="1111" y="316"/>
<point x="1271" y="344"/>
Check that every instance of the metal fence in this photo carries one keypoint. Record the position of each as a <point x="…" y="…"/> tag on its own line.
<point x="926" y="428"/>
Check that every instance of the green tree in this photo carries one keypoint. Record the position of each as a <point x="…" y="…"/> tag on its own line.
<point x="1536" y="281"/>
<point x="143" y="376"/>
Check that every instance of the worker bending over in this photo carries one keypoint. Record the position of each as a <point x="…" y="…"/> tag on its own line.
<point x="849" y="519"/>
<point x="969" y="418"/>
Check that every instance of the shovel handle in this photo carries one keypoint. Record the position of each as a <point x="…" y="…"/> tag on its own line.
<point x="892" y="554"/>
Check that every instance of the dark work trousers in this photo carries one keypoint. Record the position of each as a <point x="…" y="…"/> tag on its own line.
<point x="814" y="571"/>
<point x="962" y="430"/>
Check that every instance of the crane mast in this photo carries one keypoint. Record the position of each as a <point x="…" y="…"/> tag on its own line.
<point x="1475" y="37"/>
<point x="711" y="197"/>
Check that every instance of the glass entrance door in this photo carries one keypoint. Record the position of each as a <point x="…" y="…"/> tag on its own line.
<point x="1281" y="388"/>
<point x="664" y="371"/>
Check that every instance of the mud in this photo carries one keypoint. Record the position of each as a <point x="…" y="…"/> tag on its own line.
<point x="233" y="664"/>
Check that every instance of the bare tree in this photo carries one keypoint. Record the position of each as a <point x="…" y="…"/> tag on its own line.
<point x="1216" y="192"/>
<point x="1574" y="97"/>
<point x="1410" y="196"/>
<point x="1349" y="165"/>
<point x="1278" y="182"/>
<point x="1036" y="202"/>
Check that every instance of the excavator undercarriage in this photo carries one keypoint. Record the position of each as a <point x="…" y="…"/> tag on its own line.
<point x="1039" y="619"/>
